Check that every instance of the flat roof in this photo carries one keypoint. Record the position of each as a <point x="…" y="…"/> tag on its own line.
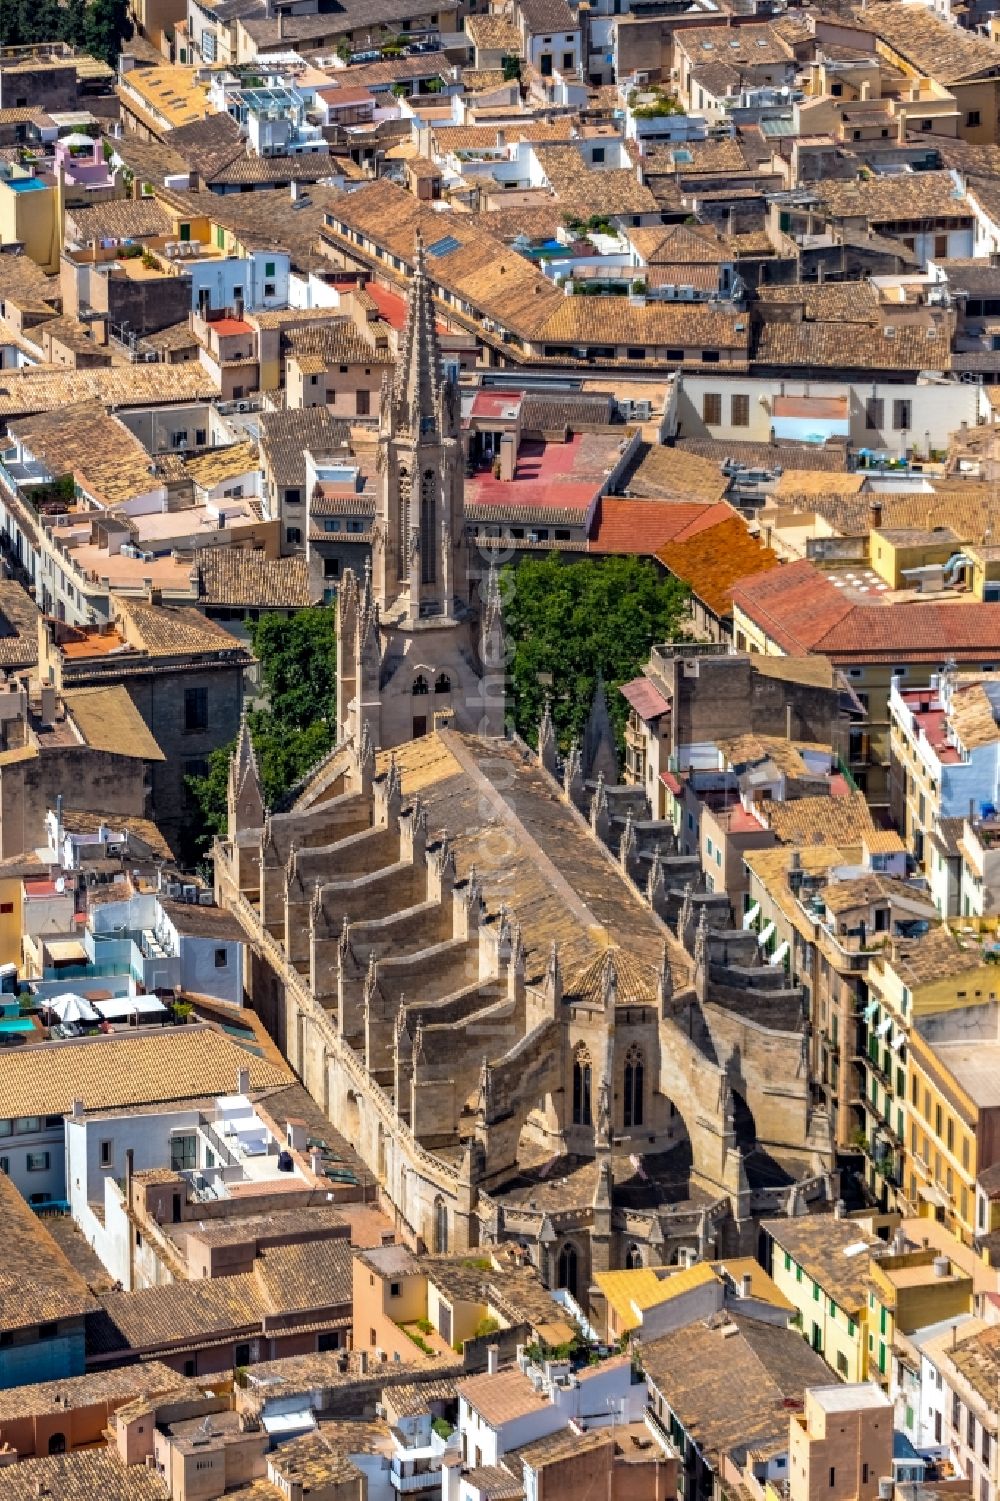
<point x="848" y="1398"/>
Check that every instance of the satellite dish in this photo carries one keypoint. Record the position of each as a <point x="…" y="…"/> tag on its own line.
<point x="60" y="884"/>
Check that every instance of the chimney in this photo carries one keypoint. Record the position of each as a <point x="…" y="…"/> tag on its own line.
<point x="295" y="1135"/>
<point x="875" y="511"/>
<point x="316" y="1162"/>
<point x="243" y="1081"/>
<point x="901" y="127"/>
<point x="492" y="1359"/>
<point x="840" y="1210"/>
<point x="942" y="1266"/>
<point x="78" y="1111"/>
<point x="508" y="455"/>
<point x="866" y="91"/>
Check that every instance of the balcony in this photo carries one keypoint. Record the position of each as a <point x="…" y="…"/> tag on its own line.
<point x="423" y="1480"/>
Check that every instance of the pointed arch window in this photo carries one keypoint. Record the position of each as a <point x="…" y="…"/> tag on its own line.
<point x="443" y="683"/>
<point x="633" y="1111"/>
<point x="428" y="528"/>
<point x="420" y="685"/>
<point x="633" y="1258"/>
<point x="440" y="1226"/>
<point x="566" y="1269"/>
<point x="582" y="1076"/>
<point x="403" y="517"/>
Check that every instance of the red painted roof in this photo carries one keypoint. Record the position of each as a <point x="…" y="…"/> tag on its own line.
<point x="545" y="475"/>
<point x="496" y="404"/>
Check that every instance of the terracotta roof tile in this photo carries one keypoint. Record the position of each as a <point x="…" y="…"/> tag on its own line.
<point x="711" y="561"/>
<point x="641" y="526"/>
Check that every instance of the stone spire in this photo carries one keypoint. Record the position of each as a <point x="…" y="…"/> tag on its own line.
<point x="245" y="802"/>
<point x="417" y="386"/>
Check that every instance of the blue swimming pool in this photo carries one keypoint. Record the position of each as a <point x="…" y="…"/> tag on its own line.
<point x="25" y="184"/>
<point x="16" y="1024"/>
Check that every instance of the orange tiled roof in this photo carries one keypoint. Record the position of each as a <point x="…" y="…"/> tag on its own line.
<point x="642" y="526"/>
<point x="712" y="559"/>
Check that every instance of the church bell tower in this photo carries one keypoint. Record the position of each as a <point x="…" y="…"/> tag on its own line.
<point x="420" y="638"/>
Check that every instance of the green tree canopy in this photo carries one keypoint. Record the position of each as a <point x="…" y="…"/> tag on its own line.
<point x="570" y="622"/>
<point x="294" y="731"/>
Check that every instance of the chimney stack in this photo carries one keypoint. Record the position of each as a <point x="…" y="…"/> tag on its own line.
<point x="875" y="511"/>
<point x="243" y="1081"/>
<point x="492" y="1359"/>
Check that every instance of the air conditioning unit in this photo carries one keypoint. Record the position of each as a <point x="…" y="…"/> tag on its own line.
<point x="243" y="406"/>
<point x="191" y="894"/>
<point x="205" y="899"/>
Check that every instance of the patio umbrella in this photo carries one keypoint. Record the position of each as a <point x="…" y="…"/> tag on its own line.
<point x="72" y="1008"/>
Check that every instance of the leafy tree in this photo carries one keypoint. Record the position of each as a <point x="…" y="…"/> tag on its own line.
<point x="106" y="25"/>
<point x="295" y="730"/>
<point x="297" y="658"/>
<point x="570" y="622"/>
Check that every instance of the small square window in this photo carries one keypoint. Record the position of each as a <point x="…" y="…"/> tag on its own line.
<point x="395" y="1288"/>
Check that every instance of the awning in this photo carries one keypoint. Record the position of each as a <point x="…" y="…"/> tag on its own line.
<point x="883" y="1026"/>
<point x="281" y="1424"/>
<point x="123" y="1006"/>
<point x="897" y="1041"/>
<point x="645" y="698"/>
<point x="765" y="934"/>
<point x="751" y="915"/>
<point x="779" y="953"/>
<point x="670" y="782"/>
<point x="870" y="1010"/>
<point x="71" y="1008"/>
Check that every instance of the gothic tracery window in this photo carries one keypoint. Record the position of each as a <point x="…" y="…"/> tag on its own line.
<point x="428" y="528"/>
<point x="404" y="523"/>
<point x="633" y="1107"/>
<point x="582" y="1076"/>
<point x="440" y="1226"/>
<point x="420" y="685"/>
<point x="443" y="683"/>
<point x="567" y="1268"/>
<point x="633" y="1258"/>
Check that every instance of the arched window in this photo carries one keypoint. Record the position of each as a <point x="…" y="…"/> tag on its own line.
<point x="633" y="1258"/>
<point x="443" y="684"/>
<point x="581" y="1088"/>
<point x="57" y="1443"/>
<point x="404" y="524"/>
<point x="440" y="1227"/>
<point x="633" y="1087"/>
<point x="420" y="685"/>
<point x="428" y="528"/>
<point x="566" y="1269"/>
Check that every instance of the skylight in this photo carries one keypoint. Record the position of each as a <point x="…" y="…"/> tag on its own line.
<point x="444" y="246"/>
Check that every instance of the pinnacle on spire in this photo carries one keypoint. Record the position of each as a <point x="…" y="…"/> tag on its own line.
<point x="418" y="383"/>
